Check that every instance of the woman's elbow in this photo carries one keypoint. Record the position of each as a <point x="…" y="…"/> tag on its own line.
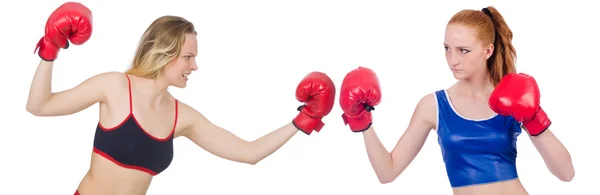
<point x="251" y="161"/>
<point x="567" y="177"/>
<point x="244" y="159"/>
<point x="35" y="110"/>
<point x="385" y="179"/>
<point x="250" y="156"/>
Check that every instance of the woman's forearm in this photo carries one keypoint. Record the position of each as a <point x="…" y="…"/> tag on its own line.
<point x="268" y="144"/>
<point x="555" y="155"/>
<point x="380" y="158"/>
<point x="41" y="87"/>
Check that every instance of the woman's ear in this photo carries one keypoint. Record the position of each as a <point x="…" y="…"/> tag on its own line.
<point x="489" y="50"/>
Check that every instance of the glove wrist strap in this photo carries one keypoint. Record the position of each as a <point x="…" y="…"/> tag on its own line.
<point x="538" y="124"/>
<point x="359" y="123"/>
<point x="307" y="124"/>
<point x="46" y="50"/>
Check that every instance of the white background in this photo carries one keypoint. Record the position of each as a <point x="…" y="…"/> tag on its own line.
<point x="252" y="54"/>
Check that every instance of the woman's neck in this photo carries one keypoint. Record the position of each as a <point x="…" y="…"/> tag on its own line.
<point x="154" y="91"/>
<point x="476" y="85"/>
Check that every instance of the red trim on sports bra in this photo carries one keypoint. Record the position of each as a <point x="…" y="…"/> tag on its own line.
<point x="108" y="157"/>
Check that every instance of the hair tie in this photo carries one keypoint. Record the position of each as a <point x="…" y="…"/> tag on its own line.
<point x="487" y="12"/>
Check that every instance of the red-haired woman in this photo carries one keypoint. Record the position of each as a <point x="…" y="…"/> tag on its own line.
<point x="478" y="119"/>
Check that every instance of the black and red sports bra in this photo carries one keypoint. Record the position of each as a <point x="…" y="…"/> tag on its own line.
<point x="130" y="146"/>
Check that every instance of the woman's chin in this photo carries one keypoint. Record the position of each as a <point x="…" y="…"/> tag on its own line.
<point x="179" y="83"/>
<point x="459" y="75"/>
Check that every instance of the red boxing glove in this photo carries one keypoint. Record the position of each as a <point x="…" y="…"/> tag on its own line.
<point x="518" y="95"/>
<point x="318" y="92"/>
<point x="72" y="21"/>
<point x="359" y="95"/>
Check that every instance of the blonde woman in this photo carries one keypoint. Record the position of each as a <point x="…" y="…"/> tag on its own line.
<point x="139" y="118"/>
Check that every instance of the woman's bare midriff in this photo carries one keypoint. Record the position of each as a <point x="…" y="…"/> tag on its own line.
<point x="108" y="178"/>
<point x="510" y="187"/>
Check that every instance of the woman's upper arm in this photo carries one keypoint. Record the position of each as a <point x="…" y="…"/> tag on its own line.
<point x="82" y="96"/>
<point x="213" y="138"/>
<point x="413" y="139"/>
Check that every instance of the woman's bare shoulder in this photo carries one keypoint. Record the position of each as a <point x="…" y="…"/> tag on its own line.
<point x="188" y="117"/>
<point x="112" y="78"/>
<point x="426" y="109"/>
<point x="427" y="102"/>
<point x="113" y="82"/>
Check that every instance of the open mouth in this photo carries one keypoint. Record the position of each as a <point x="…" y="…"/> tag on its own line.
<point x="185" y="75"/>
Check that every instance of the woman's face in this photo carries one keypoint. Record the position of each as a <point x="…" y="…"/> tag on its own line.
<point x="177" y="72"/>
<point x="465" y="54"/>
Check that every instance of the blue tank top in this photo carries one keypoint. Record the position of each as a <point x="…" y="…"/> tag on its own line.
<point x="476" y="151"/>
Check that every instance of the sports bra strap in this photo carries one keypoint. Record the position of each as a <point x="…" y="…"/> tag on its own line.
<point x="130" y="100"/>
<point x="131" y="103"/>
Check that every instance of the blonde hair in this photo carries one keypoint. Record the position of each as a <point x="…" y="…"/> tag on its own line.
<point x="159" y="45"/>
